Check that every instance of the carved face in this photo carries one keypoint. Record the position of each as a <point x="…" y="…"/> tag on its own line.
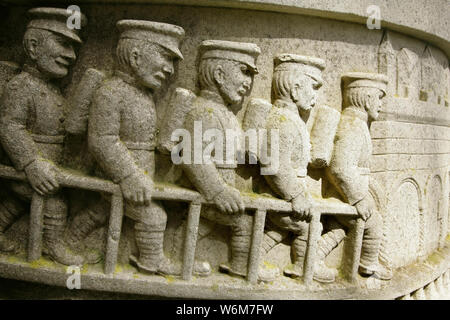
<point x="53" y="54"/>
<point x="373" y="105"/>
<point x="234" y="81"/>
<point x="153" y="65"/>
<point x="304" y="92"/>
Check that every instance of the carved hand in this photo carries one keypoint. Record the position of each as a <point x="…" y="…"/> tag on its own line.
<point x="137" y="188"/>
<point x="301" y="207"/>
<point x="41" y="175"/>
<point x="229" y="201"/>
<point x="364" y="208"/>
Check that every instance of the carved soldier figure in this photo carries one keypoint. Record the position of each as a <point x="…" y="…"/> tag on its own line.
<point x="122" y="132"/>
<point x="225" y="76"/>
<point x="32" y="128"/>
<point x="295" y="84"/>
<point x="349" y="168"/>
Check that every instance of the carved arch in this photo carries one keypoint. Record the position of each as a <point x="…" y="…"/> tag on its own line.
<point x="396" y="233"/>
<point x="430" y="205"/>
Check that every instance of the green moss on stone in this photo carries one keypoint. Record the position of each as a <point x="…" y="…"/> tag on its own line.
<point x="41" y="263"/>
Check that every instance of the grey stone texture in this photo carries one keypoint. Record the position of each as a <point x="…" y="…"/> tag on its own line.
<point x="357" y="206"/>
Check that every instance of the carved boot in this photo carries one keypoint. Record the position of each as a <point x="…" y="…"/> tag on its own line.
<point x="54" y="245"/>
<point x="151" y="254"/>
<point x="326" y="244"/>
<point x="299" y="250"/>
<point x="369" y="264"/>
<point x="270" y="240"/>
<point x="240" y="249"/>
<point x="82" y="226"/>
<point x="8" y="214"/>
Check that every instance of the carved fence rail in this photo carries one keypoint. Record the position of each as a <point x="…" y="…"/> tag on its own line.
<point x="257" y="203"/>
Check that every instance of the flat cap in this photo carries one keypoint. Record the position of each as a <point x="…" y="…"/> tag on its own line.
<point x="364" y="80"/>
<point x="311" y="66"/>
<point x="166" y="35"/>
<point x="55" y="20"/>
<point x="243" y="52"/>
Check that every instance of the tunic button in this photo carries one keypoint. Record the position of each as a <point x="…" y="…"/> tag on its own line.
<point x="62" y="120"/>
<point x="152" y="136"/>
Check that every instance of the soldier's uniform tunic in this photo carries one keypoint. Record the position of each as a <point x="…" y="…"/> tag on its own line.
<point x="122" y="138"/>
<point x="31" y="127"/>
<point x="294" y="155"/>
<point x="209" y="110"/>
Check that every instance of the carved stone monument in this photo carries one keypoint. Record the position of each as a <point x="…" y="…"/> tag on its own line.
<point x="186" y="151"/>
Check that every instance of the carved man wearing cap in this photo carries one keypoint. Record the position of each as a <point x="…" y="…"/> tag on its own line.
<point x="225" y="76"/>
<point x="295" y="84"/>
<point x="122" y="133"/>
<point x="349" y="168"/>
<point x="32" y="127"/>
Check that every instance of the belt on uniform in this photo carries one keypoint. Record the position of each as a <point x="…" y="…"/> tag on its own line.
<point x="147" y="146"/>
<point x="41" y="138"/>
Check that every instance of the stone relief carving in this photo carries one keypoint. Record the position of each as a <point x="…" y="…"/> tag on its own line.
<point x="32" y="129"/>
<point x="295" y="83"/>
<point x="225" y="76"/>
<point x="407" y="73"/>
<point x="109" y="134"/>
<point x="433" y="76"/>
<point x="349" y="169"/>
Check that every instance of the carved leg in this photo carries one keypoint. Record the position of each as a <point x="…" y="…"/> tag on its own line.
<point x="55" y="218"/>
<point x="327" y="243"/>
<point x="240" y="248"/>
<point x="241" y="240"/>
<point x="271" y="239"/>
<point x="83" y="224"/>
<point x="150" y="244"/>
<point x="299" y="251"/>
<point x="369" y="264"/>
<point x="353" y="250"/>
<point x="149" y="231"/>
<point x="10" y="210"/>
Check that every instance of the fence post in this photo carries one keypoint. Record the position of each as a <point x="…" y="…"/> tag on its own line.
<point x="353" y="250"/>
<point x="114" y="231"/>
<point x="315" y="229"/>
<point x="36" y="227"/>
<point x="255" y="250"/>
<point x="191" y="240"/>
